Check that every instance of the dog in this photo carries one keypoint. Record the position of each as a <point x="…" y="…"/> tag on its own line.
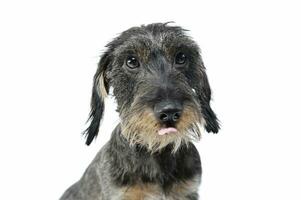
<point x="163" y="98"/>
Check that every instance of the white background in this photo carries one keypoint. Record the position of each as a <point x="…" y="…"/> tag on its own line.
<point x="48" y="55"/>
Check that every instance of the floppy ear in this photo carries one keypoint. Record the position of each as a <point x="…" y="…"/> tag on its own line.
<point x="204" y="95"/>
<point x="99" y="92"/>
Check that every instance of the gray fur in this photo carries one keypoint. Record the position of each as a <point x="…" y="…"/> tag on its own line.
<point x="97" y="183"/>
<point x="138" y="163"/>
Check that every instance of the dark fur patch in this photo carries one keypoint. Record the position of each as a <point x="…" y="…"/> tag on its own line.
<point x="133" y="164"/>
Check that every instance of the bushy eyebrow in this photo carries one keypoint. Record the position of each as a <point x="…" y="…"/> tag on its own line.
<point x="138" y="46"/>
<point x="143" y="45"/>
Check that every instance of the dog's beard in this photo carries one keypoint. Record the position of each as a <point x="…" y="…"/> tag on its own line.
<point x="140" y="126"/>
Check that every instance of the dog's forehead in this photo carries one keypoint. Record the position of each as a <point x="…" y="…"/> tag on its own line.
<point x="145" y="39"/>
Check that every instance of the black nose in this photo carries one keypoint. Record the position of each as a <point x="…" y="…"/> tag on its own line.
<point x="168" y="112"/>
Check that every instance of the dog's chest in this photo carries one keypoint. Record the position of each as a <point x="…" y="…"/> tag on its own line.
<point x="138" y="175"/>
<point x="179" y="191"/>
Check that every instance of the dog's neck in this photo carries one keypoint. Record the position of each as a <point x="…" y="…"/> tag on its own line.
<point x="135" y="164"/>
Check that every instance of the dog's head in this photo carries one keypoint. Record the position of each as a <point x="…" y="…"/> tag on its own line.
<point x="159" y="82"/>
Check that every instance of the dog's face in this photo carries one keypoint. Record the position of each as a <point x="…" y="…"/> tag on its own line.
<point x="160" y="85"/>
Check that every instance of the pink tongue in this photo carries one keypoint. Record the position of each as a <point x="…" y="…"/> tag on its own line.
<point x="164" y="131"/>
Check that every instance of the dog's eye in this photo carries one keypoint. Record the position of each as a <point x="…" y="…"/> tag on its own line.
<point x="132" y="62"/>
<point x="180" y="58"/>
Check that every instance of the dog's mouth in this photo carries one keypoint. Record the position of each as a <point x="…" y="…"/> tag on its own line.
<point x="167" y="130"/>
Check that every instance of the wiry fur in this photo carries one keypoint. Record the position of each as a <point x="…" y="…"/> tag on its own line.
<point x="137" y="162"/>
<point x="141" y="127"/>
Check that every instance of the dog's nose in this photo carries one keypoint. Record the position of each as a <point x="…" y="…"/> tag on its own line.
<point x="168" y="112"/>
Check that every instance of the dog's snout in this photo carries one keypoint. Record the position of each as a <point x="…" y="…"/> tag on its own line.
<point x="168" y="112"/>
